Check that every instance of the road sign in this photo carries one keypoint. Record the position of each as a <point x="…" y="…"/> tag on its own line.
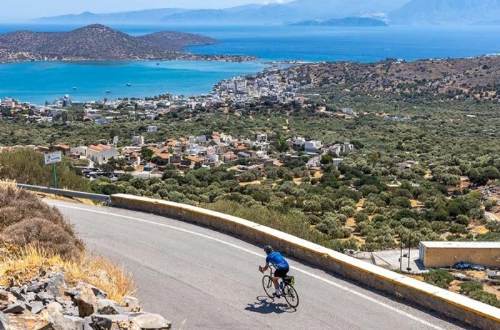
<point x="53" y="157"/>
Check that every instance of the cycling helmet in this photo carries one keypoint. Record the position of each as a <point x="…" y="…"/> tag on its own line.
<point x="268" y="249"/>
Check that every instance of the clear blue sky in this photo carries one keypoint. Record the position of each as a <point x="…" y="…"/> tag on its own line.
<point x="24" y="9"/>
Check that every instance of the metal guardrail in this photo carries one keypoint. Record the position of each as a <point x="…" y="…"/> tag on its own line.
<point x="67" y="193"/>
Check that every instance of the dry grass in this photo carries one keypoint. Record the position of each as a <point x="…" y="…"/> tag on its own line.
<point x="20" y="265"/>
<point x="103" y="274"/>
<point x="26" y="220"/>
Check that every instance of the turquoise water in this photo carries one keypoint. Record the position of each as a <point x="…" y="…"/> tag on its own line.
<point x="372" y="44"/>
<point x="38" y="82"/>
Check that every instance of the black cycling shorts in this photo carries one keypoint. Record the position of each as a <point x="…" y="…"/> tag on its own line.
<point x="281" y="272"/>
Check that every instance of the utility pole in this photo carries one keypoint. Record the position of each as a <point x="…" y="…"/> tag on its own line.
<point x="400" y="253"/>
<point x="409" y="252"/>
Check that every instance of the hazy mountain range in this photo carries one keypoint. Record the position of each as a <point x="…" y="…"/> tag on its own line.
<point x="448" y="12"/>
<point x="393" y="11"/>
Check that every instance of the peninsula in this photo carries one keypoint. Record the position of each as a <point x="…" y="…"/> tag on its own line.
<point x="98" y="42"/>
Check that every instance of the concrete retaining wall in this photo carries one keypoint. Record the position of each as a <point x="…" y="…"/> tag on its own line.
<point x="445" y="302"/>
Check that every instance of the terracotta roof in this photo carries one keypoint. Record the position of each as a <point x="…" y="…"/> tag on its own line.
<point x="195" y="159"/>
<point x="100" y="147"/>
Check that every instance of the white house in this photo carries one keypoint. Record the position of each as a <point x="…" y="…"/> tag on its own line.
<point x="79" y="151"/>
<point x="312" y="146"/>
<point x="298" y="142"/>
<point x="138" y="140"/>
<point x="101" y="153"/>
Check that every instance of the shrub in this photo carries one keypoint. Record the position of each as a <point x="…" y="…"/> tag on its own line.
<point x="468" y="287"/>
<point x="44" y="234"/>
<point x="475" y="291"/>
<point x="292" y="222"/>
<point x="27" y="166"/>
<point x="348" y="211"/>
<point x="25" y="220"/>
<point x="439" y="277"/>
<point x="361" y="217"/>
<point x="463" y="220"/>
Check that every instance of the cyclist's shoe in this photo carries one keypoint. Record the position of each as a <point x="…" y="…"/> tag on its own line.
<point x="277" y="295"/>
<point x="289" y="280"/>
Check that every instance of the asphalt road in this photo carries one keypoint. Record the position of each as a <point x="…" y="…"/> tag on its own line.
<point x="199" y="278"/>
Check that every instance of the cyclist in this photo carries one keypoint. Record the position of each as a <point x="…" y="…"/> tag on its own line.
<point x="279" y="262"/>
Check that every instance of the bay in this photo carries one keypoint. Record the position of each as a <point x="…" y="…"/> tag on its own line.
<point x="37" y="82"/>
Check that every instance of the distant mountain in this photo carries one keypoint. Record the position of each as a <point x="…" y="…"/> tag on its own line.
<point x="142" y="16"/>
<point x="95" y="42"/>
<point x="294" y="11"/>
<point x="347" y="21"/>
<point x="447" y="12"/>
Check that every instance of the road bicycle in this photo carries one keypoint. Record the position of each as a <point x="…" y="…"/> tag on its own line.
<point x="286" y="285"/>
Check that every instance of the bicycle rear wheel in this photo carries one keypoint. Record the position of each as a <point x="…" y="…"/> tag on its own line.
<point x="291" y="296"/>
<point x="267" y="284"/>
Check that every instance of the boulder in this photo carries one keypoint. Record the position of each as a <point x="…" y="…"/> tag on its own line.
<point x="35" y="287"/>
<point x="56" y="284"/>
<point x="3" y="321"/>
<point x="23" y="322"/>
<point x="148" y="321"/>
<point x="17" y="308"/>
<point x="110" y="322"/>
<point x="45" y="297"/>
<point x="132" y="304"/>
<point x="6" y="299"/>
<point x="29" y="296"/>
<point x="108" y="307"/>
<point x="58" y="321"/>
<point x="98" y="292"/>
<point x="85" y="300"/>
<point x="17" y="292"/>
<point x="35" y="307"/>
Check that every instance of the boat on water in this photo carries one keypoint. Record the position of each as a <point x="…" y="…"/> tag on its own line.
<point x="128" y="84"/>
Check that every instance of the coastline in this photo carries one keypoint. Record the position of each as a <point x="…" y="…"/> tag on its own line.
<point x="176" y="57"/>
<point x="268" y="67"/>
<point x="198" y="74"/>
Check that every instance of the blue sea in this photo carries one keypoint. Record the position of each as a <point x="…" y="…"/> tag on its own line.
<point x="40" y="82"/>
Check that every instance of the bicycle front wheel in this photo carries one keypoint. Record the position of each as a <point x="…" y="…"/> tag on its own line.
<point x="291" y="296"/>
<point x="267" y="284"/>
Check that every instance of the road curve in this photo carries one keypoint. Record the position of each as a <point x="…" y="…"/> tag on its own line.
<point x="200" y="278"/>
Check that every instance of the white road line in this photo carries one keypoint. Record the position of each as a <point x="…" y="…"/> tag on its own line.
<point x="342" y="287"/>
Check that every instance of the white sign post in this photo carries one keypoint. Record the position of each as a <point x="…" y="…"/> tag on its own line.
<point x="52" y="158"/>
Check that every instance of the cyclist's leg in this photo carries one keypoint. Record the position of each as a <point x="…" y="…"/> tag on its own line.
<point x="278" y="274"/>
<point x="276" y="282"/>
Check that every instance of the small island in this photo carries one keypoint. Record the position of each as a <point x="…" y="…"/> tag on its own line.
<point x="346" y="21"/>
<point x="101" y="43"/>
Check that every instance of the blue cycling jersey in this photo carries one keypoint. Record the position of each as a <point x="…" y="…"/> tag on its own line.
<point x="277" y="260"/>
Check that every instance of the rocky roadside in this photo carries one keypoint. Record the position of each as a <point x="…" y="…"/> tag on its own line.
<point x="49" y="303"/>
